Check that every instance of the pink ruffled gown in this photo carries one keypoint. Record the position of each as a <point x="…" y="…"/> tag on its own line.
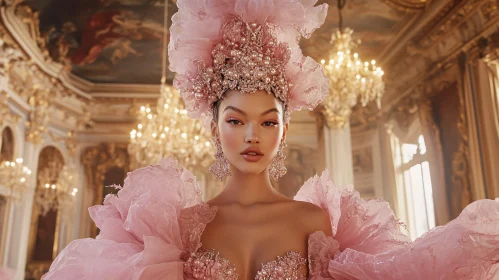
<point x="152" y="230"/>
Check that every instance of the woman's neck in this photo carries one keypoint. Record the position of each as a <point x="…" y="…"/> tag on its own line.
<point x="248" y="189"/>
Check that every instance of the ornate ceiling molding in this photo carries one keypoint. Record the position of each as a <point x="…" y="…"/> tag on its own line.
<point x="445" y="29"/>
<point x="407" y="5"/>
<point x="429" y="62"/>
<point x="449" y="18"/>
<point x="22" y="23"/>
<point x="39" y="95"/>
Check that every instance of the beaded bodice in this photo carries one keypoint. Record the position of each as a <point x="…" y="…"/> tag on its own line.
<point x="207" y="264"/>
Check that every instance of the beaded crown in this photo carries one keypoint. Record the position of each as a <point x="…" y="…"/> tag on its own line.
<point x="221" y="45"/>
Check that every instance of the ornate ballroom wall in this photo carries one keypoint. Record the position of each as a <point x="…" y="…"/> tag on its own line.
<point x="75" y="106"/>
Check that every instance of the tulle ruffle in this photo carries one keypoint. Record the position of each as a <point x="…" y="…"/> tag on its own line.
<point x="140" y="234"/>
<point x="366" y="243"/>
<point x="196" y="29"/>
<point x="6" y="273"/>
<point x="155" y="222"/>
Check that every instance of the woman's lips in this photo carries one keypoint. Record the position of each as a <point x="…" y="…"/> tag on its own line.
<point x="252" y="158"/>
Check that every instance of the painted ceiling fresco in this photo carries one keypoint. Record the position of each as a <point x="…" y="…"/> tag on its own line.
<point x="119" y="41"/>
<point x="105" y="41"/>
<point x="375" y="24"/>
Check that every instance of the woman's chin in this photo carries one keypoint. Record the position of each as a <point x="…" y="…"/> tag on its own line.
<point x="250" y="168"/>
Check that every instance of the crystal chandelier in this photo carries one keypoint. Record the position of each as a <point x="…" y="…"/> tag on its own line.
<point x="350" y="78"/>
<point x="54" y="191"/>
<point x="168" y="130"/>
<point x="15" y="176"/>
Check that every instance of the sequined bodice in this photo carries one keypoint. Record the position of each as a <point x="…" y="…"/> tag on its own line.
<point x="207" y="264"/>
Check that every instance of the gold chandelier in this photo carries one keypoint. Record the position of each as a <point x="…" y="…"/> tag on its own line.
<point x="54" y="191"/>
<point x="15" y="176"/>
<point x="169" y="130"/>
<point x="350" y="78"/>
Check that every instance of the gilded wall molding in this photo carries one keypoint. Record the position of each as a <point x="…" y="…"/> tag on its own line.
<point x="7" y="116"/>
<point x="45" y="98"/>
<point x="487" y="49"/>
<point x="416" y="105"/>
<point x="461" y="176"/>
<point x="10" y="3"/>
<point x="36" y="126"/>
<point x="425" y="58"/>
<point x="69" y="141"/>
<point x="452" y="16"/>
<point x="20" y="73"/>
<point x="97" y="161"/>
<point x="490" y="9"/>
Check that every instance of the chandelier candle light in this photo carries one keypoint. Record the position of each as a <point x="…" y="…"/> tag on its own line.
<point x="15" y="176"/>
<point x="169" y="131"/>
<point x="55" y="190"/>
<point x="350" y="78"/>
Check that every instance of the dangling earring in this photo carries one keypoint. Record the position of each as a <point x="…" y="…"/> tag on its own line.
<point x="220" y="168"/>
<point x="277" y="168"/>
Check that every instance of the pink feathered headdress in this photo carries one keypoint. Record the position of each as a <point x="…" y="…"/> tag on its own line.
<point x="245" y="45"/>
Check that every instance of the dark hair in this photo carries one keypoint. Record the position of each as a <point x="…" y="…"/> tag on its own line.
<point x="216" y="107"/>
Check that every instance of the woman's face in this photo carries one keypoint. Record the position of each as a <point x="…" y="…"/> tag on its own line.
<point x="250" y="127"/>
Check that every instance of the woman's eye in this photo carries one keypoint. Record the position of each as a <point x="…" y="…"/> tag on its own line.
<point x="235" y="122"/>
<point x="270" y="123"/>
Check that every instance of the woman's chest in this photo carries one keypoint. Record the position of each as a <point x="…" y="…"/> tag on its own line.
<point x="208" y="264"/>
<point x="250" y="247"/>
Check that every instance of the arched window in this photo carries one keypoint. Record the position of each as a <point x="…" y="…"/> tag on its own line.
<point x="43" y="241"/>
<point x="414" y="187"/>
<point x="6" y="153"/>
<point x="7" y="145"/>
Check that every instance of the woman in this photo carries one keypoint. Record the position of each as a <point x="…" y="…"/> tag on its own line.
<point x="240" y="69"/>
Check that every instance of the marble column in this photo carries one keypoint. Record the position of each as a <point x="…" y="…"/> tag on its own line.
<point x="338" y="153"/>
<point x="17" y="250"/>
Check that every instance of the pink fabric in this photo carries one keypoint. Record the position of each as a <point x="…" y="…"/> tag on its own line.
<point x="140" y="230"/>
<point x="197" y="29"/>
<point x="366" y="243"/>
<point x="154" y="224"/>
<point x="6" y="273"/>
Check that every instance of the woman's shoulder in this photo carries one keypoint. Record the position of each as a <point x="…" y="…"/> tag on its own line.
<point x="312" y="217"/>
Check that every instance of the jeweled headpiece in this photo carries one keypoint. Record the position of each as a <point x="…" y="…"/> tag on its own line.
<point x="221" y="45"/>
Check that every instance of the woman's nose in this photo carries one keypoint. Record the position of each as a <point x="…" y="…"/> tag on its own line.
<point x="252" y="140"/>
<point x="252" y="135"/>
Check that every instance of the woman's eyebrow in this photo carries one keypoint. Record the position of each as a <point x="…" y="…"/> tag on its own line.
<point x="270" y="111"/>
<point x="234" y="109"/>
<point x="244" y="113"/>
